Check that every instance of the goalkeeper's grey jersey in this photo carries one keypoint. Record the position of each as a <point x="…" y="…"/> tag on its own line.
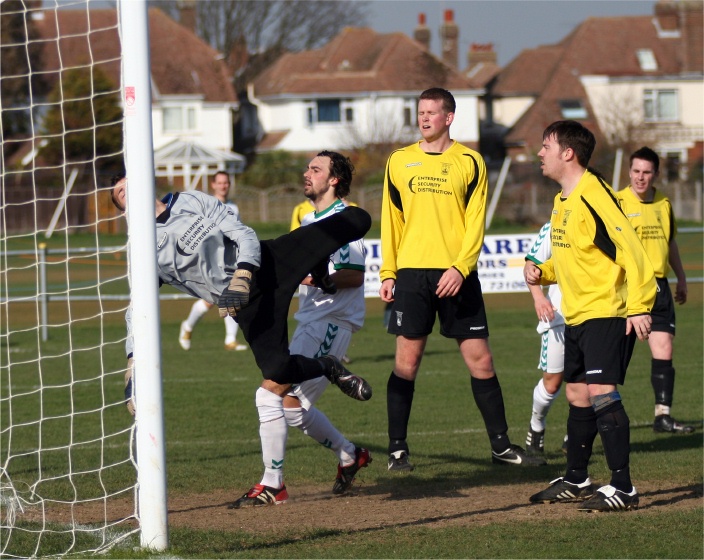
<point x="199" y="242"/>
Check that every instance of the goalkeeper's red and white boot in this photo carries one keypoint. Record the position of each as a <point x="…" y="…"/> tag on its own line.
<point x="260" y="495"/>
<point x="350" y="384"/>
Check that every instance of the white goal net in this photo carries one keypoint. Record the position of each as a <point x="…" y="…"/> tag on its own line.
<point x="68" y="473"/>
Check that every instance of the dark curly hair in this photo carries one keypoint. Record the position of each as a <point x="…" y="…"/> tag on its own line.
<point x="342" y="169"/>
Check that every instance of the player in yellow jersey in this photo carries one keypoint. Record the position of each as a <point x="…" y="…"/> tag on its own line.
<point x="650" y="214"/>
<point x="432" y="230"/>
<point x="608" y="290"/>
<point x="299" y="212"/>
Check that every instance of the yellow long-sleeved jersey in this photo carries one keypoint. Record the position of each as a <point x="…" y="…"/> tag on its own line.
<point x="654" y="223"/>
<point x="433" y="210"/>
<point x="597" y="259"/>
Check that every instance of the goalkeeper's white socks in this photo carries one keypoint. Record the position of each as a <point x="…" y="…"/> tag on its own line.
<point x="542" y="401"/>
<point x="198" y="309"/>
<point x="231" y="328"/>
<point x="273" y="431"/>
<point x="316" y="425"/>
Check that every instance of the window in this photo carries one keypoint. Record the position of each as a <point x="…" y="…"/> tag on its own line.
<point x="646" y="59"/>
<point x="179" y="119"/>
<point x="573" y="109"/>
<point x="409" y="113"/>
<point x="329" y="111"/>
<point x="660" y="105"/>
<point x="173" y="119"/>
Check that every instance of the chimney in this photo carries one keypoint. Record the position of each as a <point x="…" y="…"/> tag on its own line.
<point x="692" y="18"/>
<point x="449" y="33"/>
<point x="187" y="14"/>
<point x="481" y="52"/>
<point x="422" y="33"/>
<point x="667" y="14"/>
<point x="683" y="19"/>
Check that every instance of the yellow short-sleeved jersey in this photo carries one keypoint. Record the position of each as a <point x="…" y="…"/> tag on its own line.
<point x="655" y="225"/>
<point x="433" y="210"/>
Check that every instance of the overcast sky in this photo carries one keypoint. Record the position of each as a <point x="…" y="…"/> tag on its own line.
<point x="511" y="25"/>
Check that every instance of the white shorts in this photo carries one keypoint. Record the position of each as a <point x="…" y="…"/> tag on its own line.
<point x="552" y="350"/>
<point x="316" y="339"/>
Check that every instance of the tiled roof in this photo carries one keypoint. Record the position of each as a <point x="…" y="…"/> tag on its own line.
<point x="360" y="60"/>
<point x="482" y="73"/>
<point x="181" y="63"/>
<point x="271" y="140"/>
<point x="528" y="73"/>
<point x="599" y="46"/>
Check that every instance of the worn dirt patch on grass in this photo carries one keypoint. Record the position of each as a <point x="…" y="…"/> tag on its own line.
<point x="369" y="508"/>
<point x="313" y="507"/>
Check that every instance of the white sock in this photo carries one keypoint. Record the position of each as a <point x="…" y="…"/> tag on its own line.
<point x="273" y="432"/>
<point x="542" y="401"/>
<point x="231" y="328"/>
<point x="661" y="409"/>
<point x="199" y="309"/>
<point x="316" y="425"/>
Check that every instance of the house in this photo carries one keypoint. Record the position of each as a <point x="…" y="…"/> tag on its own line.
<point x="632" y="80"/>
<point x="359" y="89"/>
<point x="193" y="100"/>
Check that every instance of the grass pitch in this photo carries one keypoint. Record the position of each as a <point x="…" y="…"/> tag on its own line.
<point x="212" y="434"/>
<point x="213" y="446"/>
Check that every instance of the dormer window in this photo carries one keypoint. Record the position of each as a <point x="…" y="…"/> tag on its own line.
<point x="573" y="109"/>
<point x="646" y="59"/>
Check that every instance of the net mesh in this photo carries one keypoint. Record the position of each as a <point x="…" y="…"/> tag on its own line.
<point x="67" y="470"/>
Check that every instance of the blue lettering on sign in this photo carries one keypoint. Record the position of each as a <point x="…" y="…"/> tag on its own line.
<point x="502" y="245"/>
<point x="375" y="249"/>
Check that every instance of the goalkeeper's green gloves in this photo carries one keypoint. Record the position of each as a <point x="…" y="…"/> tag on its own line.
<point x="236" y="296"/>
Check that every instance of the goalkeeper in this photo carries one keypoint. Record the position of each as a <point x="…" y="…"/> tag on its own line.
<point x="203" y="250"/>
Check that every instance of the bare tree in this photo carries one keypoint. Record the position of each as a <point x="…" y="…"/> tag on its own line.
<point x="620" y="116"/>
<point x="266" y="29"/>
<point x="380" y="129"/>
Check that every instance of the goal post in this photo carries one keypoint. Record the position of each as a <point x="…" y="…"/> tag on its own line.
<point x="139" y="165"/>
<point x="78" y="475"/>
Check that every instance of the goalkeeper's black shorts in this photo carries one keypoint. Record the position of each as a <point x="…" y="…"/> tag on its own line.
<point x="285" y="262"/>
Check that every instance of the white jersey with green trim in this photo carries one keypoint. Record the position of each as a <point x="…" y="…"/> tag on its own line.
<point x="539" y="253"/>
<point x="345" y="308"/>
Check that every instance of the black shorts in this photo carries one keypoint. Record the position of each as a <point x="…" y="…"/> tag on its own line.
<point x="416" y="305"/>
<point x="598" y="351"/>
<point x="663" y="313"/>
<point x="285" y="262"/>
